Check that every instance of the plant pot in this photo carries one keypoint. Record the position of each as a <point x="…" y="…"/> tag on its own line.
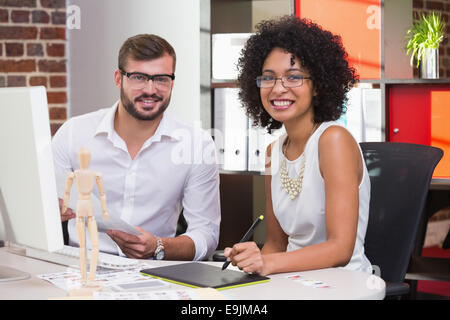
<point x="429" y="66"/>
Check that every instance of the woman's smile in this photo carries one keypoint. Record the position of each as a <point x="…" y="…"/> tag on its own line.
<point x="281" y="104"/>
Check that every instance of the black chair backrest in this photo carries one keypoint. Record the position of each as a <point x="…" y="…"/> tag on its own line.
<point x="400" y="176"/>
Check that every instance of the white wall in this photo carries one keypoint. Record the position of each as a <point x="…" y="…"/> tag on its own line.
<point x="106" y="24"/>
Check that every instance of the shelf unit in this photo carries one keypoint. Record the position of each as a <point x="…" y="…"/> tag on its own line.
<point x="242" y="192"/>
<point x="396" y="17"/>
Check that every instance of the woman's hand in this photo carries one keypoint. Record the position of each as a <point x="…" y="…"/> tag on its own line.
<point x="247" y="257"/>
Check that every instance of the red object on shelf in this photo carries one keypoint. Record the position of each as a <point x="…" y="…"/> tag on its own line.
<point x="409" y="114"/>
<point x="420" y="113"/>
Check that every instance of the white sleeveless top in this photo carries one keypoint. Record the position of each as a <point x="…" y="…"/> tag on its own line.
<point x="303" y="218"/>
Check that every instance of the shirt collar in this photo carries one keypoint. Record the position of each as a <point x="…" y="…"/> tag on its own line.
<point x="166" y="127"/>
<point x="107" y="123"/>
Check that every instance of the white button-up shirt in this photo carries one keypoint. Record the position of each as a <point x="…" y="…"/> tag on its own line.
<point x="175" y="169"/>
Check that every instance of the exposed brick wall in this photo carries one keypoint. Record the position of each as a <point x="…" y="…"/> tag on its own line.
<point x="443" y="6"/>
<point x="33" y="50"/>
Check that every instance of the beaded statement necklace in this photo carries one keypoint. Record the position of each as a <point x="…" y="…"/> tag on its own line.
<point x="293" y="187"/>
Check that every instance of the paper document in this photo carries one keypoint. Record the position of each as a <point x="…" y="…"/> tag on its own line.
<point x="157" y="295"/>
<point x="130" y="285"/>
<point x="309" y="282"/>
<point x="114" y="223"/>
<point x="184" y="294"/>
<point x="110" y="279"/>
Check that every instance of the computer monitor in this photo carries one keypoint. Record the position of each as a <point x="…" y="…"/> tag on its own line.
<point x="29" y="209"/>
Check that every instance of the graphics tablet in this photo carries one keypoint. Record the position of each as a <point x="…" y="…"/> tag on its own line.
<point x="202" y="275"/>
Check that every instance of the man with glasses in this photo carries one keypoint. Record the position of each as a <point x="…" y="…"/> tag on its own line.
<point x="137" y="148"/>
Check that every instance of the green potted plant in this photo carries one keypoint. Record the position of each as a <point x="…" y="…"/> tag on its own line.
<point x="424" y="38"/>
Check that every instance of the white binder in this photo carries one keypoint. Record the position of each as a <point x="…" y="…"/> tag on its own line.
<point x="230" y="130"/>
<point x="258" y="141"/>
<point x="226" y="49"/>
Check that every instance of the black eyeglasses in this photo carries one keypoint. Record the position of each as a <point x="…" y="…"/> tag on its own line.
<point x="289" y="81"/>
<point x="138" y="80"/>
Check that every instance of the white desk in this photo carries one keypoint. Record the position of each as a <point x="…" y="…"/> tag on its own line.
<point x="346" y="284"/>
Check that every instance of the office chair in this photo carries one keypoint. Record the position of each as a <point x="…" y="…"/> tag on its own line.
<point x="400" y="175"/>
<point x="181" y="224"/>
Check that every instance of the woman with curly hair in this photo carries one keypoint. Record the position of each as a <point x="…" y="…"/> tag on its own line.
<point x="294" y="73"/>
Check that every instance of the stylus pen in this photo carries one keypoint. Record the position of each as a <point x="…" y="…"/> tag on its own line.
<point x="246" y="236"/>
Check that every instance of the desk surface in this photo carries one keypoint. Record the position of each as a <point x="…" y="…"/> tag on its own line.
<point x="346" y="284"/>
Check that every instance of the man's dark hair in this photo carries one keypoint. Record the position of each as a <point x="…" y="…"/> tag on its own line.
<point x="143" y="47"/>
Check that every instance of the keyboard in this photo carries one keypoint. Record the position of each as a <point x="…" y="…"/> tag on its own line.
<point x="70" y="256"/>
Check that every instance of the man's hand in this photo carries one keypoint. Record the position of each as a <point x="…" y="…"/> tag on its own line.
<point x="68" y="214"/>
<point x="136" y="247"/>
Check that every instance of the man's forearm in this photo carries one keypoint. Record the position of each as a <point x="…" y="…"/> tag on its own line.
<point x="179" y="248"/>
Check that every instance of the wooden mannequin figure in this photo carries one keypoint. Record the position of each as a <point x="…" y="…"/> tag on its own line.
<point x="85" y="183"/>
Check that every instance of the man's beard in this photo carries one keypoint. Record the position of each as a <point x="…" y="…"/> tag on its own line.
<point x="132" y="110"/>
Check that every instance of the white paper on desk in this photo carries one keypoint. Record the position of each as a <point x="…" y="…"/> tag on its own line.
<point x="147" y="295"/>
<point x="174" y="294"/>
<point x="71" y="278"/>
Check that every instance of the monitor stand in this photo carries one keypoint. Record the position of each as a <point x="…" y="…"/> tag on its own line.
<point x="10" y="274"/>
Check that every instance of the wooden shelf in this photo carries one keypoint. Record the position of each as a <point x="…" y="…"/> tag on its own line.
<point x="216" y="83"/>
<point x="417" y="81"/>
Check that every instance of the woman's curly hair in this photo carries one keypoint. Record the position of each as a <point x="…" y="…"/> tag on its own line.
<point x="318" y="50"/>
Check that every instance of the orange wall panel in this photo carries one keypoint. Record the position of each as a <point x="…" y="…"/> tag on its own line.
<point x="440" y="129"/>
<point x="358" y="22"/>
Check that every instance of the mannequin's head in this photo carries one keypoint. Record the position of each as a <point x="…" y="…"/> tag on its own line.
<point x="84" y="158"/>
